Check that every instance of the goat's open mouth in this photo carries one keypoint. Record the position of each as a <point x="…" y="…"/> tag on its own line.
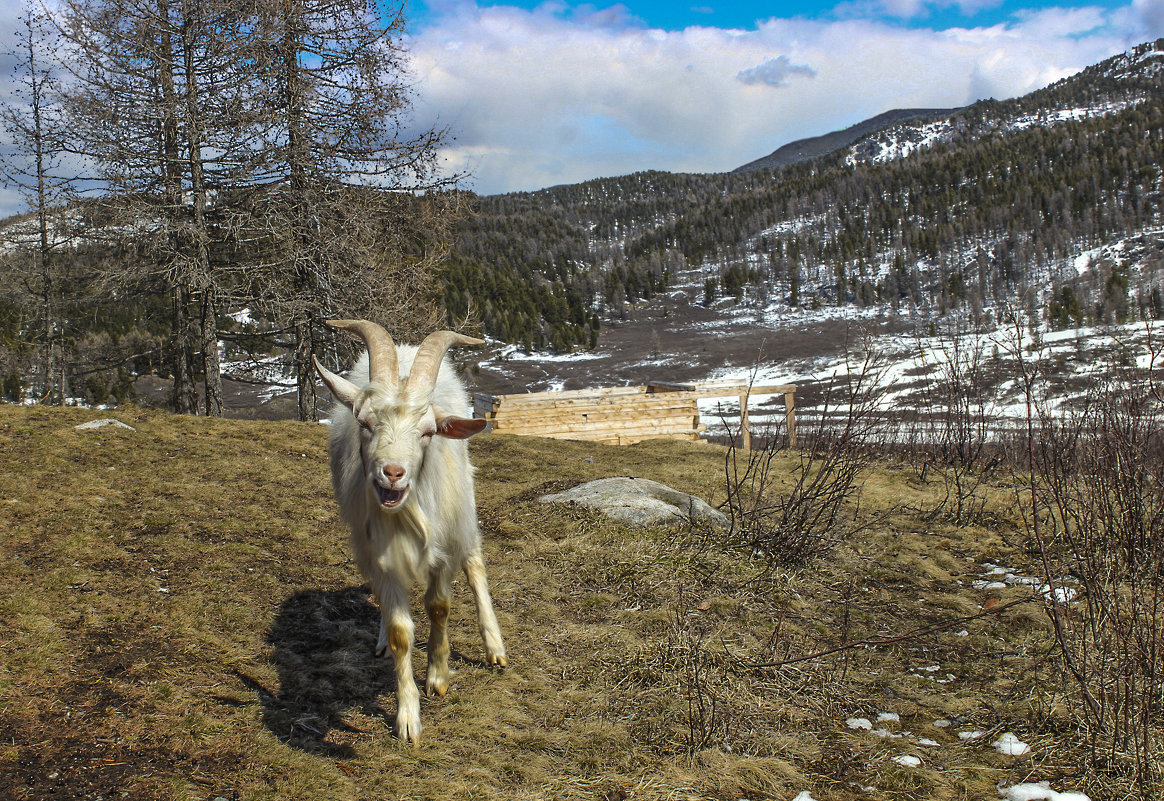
<point x="391" y="497"/>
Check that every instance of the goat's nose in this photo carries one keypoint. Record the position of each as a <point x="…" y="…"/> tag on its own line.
<point x="393" y="472"/>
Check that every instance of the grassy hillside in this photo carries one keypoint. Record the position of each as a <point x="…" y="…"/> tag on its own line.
<point x="179" y="620"/>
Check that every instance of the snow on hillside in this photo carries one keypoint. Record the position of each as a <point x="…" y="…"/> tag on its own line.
<point x="906" y="351"/>
<point x="1148" y="63"/>
<point x="900" y="141"/>
<point x="897" y="365"/>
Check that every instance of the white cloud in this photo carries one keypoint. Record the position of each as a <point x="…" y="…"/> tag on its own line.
<point x="562" y="93"/>
<point x="1151" y="16"/>
<point x="537" y="99"/>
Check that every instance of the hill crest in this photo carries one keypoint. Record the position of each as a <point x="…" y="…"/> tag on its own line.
<point x="814" y="146"/>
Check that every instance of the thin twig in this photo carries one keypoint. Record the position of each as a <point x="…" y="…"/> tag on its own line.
<point x="900" y="638"/>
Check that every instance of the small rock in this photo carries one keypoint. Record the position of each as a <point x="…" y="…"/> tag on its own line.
<point x="92" y="425"/>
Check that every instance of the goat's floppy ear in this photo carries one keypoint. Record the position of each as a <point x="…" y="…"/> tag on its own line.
<point x="344" y="391"/>
<point x="459" y="427"/>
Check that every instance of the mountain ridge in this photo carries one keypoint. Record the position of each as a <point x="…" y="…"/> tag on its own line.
<point x="814" y="146"/>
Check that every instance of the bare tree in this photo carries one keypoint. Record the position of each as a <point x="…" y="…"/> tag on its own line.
<point x="156" y="103"/>
<point x="33" y="166"/>
<point x="354" y="198"/>
<point x="257" y="151"/>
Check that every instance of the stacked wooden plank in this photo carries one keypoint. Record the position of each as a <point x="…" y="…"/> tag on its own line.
<point x="622" y="415"/>
<point x="616" y="415"/>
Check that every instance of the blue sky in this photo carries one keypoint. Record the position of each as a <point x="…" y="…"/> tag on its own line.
<point x="674" y="16"/>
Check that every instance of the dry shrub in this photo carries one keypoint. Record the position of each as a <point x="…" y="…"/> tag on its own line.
<point x="1095" y="509"/>
<point x="950" y="441"/>
<point x="780" y="525"/>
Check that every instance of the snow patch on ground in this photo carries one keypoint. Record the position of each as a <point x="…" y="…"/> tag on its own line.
<point x="1038" y="792"/>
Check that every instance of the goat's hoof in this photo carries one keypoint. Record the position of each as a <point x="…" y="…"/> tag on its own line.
<point x="496" y="660"/>
<point x="408" y="728"/>
<point x="436" y="685"/>
<point x="381" y="650"/>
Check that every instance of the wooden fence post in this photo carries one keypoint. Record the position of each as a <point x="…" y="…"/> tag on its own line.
<point x="790" y="417"/>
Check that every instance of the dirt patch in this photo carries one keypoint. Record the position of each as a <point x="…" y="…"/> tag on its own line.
<point x="90" y="735"/>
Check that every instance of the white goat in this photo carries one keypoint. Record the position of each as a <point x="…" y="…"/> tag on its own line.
<point x="403" y="482"/>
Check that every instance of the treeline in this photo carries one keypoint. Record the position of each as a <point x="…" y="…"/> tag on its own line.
<point x="531" y="275"/>
<point x="239" y="153"/>
<point x="961" y="224"/>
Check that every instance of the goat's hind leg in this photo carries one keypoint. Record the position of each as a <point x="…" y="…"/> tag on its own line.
<point x="382" y="640"/>
<point x="486" y="618"/>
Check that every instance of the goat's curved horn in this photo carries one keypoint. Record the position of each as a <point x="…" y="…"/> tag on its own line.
<point x="423" y="375"/>
<point x="344" y="391"/>
<point x="382" y="364"/>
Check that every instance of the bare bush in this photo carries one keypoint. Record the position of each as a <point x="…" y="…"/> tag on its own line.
<point x="709" y="716"/>
<point x="952" y="434"/>
<point x="782" y="526"/>
<point x="1093" y="502"/>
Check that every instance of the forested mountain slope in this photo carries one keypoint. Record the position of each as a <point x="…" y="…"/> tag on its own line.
<point x="964" y="212"/>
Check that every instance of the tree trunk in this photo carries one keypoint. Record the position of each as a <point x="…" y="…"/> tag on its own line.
<point x="198" y="233"/>
<point x="212" y="368"/>
<point x="185" y="395"/>
<point x="305" y="370"/>
<point x="51" y="355"/>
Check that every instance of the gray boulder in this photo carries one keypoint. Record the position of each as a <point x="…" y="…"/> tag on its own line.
<point x="104" y="422"/>
<point x="640" y="502"/>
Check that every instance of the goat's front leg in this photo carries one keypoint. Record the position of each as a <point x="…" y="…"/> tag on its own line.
<point x="398" y="629"/>
<point x="436" y="603"/>
<point x="486" y="619"/>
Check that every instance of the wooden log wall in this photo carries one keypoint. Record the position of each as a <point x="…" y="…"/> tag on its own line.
<point x="618" y="415"/>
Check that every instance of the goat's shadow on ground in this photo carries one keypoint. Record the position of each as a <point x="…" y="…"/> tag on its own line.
<point x="323" y="643"/>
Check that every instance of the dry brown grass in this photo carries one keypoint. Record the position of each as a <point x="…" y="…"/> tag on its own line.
<point x="179" y="620"/>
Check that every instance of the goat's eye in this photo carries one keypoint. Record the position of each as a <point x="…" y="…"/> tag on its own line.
<point x="427" y="434"/>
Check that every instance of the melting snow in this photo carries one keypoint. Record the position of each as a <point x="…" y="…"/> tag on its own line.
<point x="1038" y="792"/>
<point x="514" y="353"/>
<point x="1009" y="745"/>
